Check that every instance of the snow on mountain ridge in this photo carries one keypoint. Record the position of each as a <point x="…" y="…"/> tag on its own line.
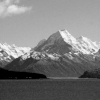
<point x="67" y="37"/>
<point x="83" y="44"/>
<point x="89" y="42"/>
<point x="13" y="50"/>
<point x="88" y="45"/>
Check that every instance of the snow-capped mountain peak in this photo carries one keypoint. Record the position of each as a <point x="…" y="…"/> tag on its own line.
<point x="83" y="44"/>
<point x="63" y="41"/>
<point x="67" y="37"/>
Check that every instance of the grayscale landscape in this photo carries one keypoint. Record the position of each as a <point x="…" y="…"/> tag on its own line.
<point x="49" y="50"/>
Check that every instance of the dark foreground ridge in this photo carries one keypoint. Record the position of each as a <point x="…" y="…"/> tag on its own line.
<point x="5" y="74"/>
<point x="91" y="74"/>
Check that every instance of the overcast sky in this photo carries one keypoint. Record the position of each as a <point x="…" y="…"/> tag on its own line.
<point x="26" y="22"/>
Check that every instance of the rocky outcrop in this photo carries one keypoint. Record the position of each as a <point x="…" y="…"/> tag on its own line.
<point x="91" y="74"/>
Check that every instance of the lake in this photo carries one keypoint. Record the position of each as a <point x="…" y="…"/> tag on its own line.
<point x="50" y="89"/>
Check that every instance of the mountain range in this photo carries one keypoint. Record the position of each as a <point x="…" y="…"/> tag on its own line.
<point x="10" y="52"/>
<point x="61" y="55"/>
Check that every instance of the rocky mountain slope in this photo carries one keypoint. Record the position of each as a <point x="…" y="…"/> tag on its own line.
<point x="61" y="55"/>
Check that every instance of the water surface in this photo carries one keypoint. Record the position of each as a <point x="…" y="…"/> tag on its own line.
<point x="53" y="89"/>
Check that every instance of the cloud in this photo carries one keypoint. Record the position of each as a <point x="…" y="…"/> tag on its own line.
<point x="10" y="7"/>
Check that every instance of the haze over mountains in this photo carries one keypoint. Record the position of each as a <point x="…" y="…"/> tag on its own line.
<point x="61" y="55"/>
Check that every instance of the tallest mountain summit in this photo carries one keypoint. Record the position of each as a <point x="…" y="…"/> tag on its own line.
<point x="67" y="36"/>
<point x="63" y="39"/>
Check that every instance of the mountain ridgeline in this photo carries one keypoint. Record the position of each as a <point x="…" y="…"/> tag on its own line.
<point x="61" y="55"/>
